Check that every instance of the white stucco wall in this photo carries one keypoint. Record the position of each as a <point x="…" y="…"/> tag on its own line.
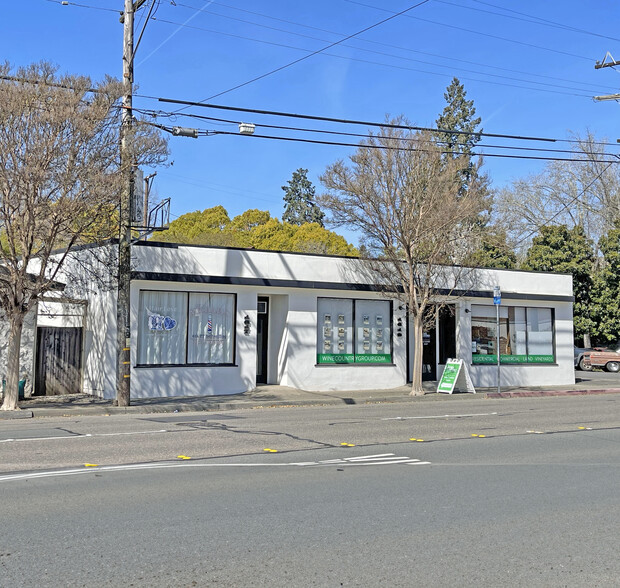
<point x="293" y="284"/>
<point x="150" y="382"/>
<point x="560" y="373"/>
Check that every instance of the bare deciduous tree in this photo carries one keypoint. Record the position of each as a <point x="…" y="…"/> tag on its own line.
<point x="415" y="222"/>
<point x="59" y="183"/>
<point x="584" y="192"/>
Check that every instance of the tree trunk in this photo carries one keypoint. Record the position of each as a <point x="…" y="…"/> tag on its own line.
<point x="11" y="388"/>
<point x="586" y="340"/>
<point x="416" y="384"/>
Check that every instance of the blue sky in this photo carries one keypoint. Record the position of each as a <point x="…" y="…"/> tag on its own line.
<point x="528" y="66"/>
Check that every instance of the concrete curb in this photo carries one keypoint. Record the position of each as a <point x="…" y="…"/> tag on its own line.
<point x="6" y="415"/>
<point x="211" y="404"/>
<point x="539" y="393"/>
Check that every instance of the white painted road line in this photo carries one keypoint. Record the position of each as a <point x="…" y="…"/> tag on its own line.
<point x="388" y="459"/>
<point x="440" y="416"/>
<point x="84" y="436"/>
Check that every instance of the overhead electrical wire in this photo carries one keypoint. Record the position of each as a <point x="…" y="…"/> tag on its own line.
<point x="579" y="92"/>
<point x="477" y="32"/>
<point x="368" y="28"/>
<point x="164" y="114"/>
<point x="64" y="3"/>
<point x="390" y="125"/>
<point x="451" y="67"/>
<point x="573" y="200"/>
<point x="369" y="41"/>
<point x="388" y="148"/>
<point x="541" y="21"/>
<point x="344" y="120"/>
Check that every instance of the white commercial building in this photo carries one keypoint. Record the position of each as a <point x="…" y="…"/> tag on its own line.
<point x="209" y="321"/>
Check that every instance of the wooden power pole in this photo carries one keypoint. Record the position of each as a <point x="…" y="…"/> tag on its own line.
<point x="123" y="386"/>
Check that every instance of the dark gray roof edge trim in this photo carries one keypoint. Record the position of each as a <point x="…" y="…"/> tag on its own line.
<point x="307" y="284"/>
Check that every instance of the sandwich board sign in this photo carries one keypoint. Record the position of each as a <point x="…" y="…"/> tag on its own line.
<point x="455" y="375"/>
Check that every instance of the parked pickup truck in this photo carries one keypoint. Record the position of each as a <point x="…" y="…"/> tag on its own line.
<point x="608" y="358"/>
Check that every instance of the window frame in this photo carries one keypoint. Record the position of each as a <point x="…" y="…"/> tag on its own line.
<point x="387" y="321"/>
<point x="505" y="358"/>
<point x="187" y="294"/>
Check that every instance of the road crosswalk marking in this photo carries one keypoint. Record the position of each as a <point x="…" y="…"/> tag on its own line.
<point x="380" y="459"/>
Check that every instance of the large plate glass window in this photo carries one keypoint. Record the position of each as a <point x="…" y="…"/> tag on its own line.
<point x="210" y="328"/>
<point x="372" y="331"/>
<point x="525" y="335"/>
<point x="162" y="328"/>
<point x="180" y="328"/>
<point x="335" y="332"/>
<point x="354" y="331"/>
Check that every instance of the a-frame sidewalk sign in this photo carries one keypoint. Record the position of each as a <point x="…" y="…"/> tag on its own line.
<point x="455" y="375"/>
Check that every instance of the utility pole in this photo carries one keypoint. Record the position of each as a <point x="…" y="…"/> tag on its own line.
<point x="605" y="63"/>
<point x="123" y="386"/>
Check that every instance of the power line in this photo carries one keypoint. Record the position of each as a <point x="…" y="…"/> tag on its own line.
<point x="369" y="41"/>
<point x="565" y="206"/>
<point x="391" y="55"/>
<point x="163" y="114"/>
<point x="315" y="52"/>
<point x="393" y="66"/>
<point x="347" y="121"/>
<point x="65" y="3"/>
<point x="388" y="148"/>
<point x="477" y="32"/>
<point x="535" y="19"/>
<point x="358" y="122"/>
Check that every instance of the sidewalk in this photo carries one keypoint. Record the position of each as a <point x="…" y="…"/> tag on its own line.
<point x="269" y="396"/>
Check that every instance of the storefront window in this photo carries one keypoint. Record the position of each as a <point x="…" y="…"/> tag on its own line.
<point x="178" y="328"/>
<point x="354" y="331"/>
<point x="525" y="335"/>
<point x="210" y="328"/>
<point x="162" y="328"/>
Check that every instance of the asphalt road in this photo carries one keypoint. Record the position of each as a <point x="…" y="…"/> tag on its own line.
<point x="516" y="492"/>
<point x="69" y="442"/>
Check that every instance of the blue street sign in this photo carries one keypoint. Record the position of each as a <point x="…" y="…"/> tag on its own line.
<point x="497" y="295"/>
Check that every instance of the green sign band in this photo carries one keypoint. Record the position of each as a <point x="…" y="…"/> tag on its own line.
<point x="348" y="358"/>
<point x="510" y="359"/>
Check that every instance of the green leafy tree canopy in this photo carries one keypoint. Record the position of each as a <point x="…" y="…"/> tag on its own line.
<point x="606" y="291"/>
<point x="254" y="229"/>
<point x="562" y="250"/>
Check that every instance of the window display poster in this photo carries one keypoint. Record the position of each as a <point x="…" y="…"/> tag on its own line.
<point x="334" y="343"/>
<point x="162" y="327"/>
<point x="360" y="335"/>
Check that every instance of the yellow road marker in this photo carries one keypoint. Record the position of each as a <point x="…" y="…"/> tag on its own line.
<point x="91" y="465"/>
<point x="474" y="434"/>
<point x="183" y="457"/>
<point x="481" y="435"/>
<point x="270" y="450"/>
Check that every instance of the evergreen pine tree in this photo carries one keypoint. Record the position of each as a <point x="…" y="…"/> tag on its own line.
<point x="299" y="196"/>
<point x="458" y="132"/>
